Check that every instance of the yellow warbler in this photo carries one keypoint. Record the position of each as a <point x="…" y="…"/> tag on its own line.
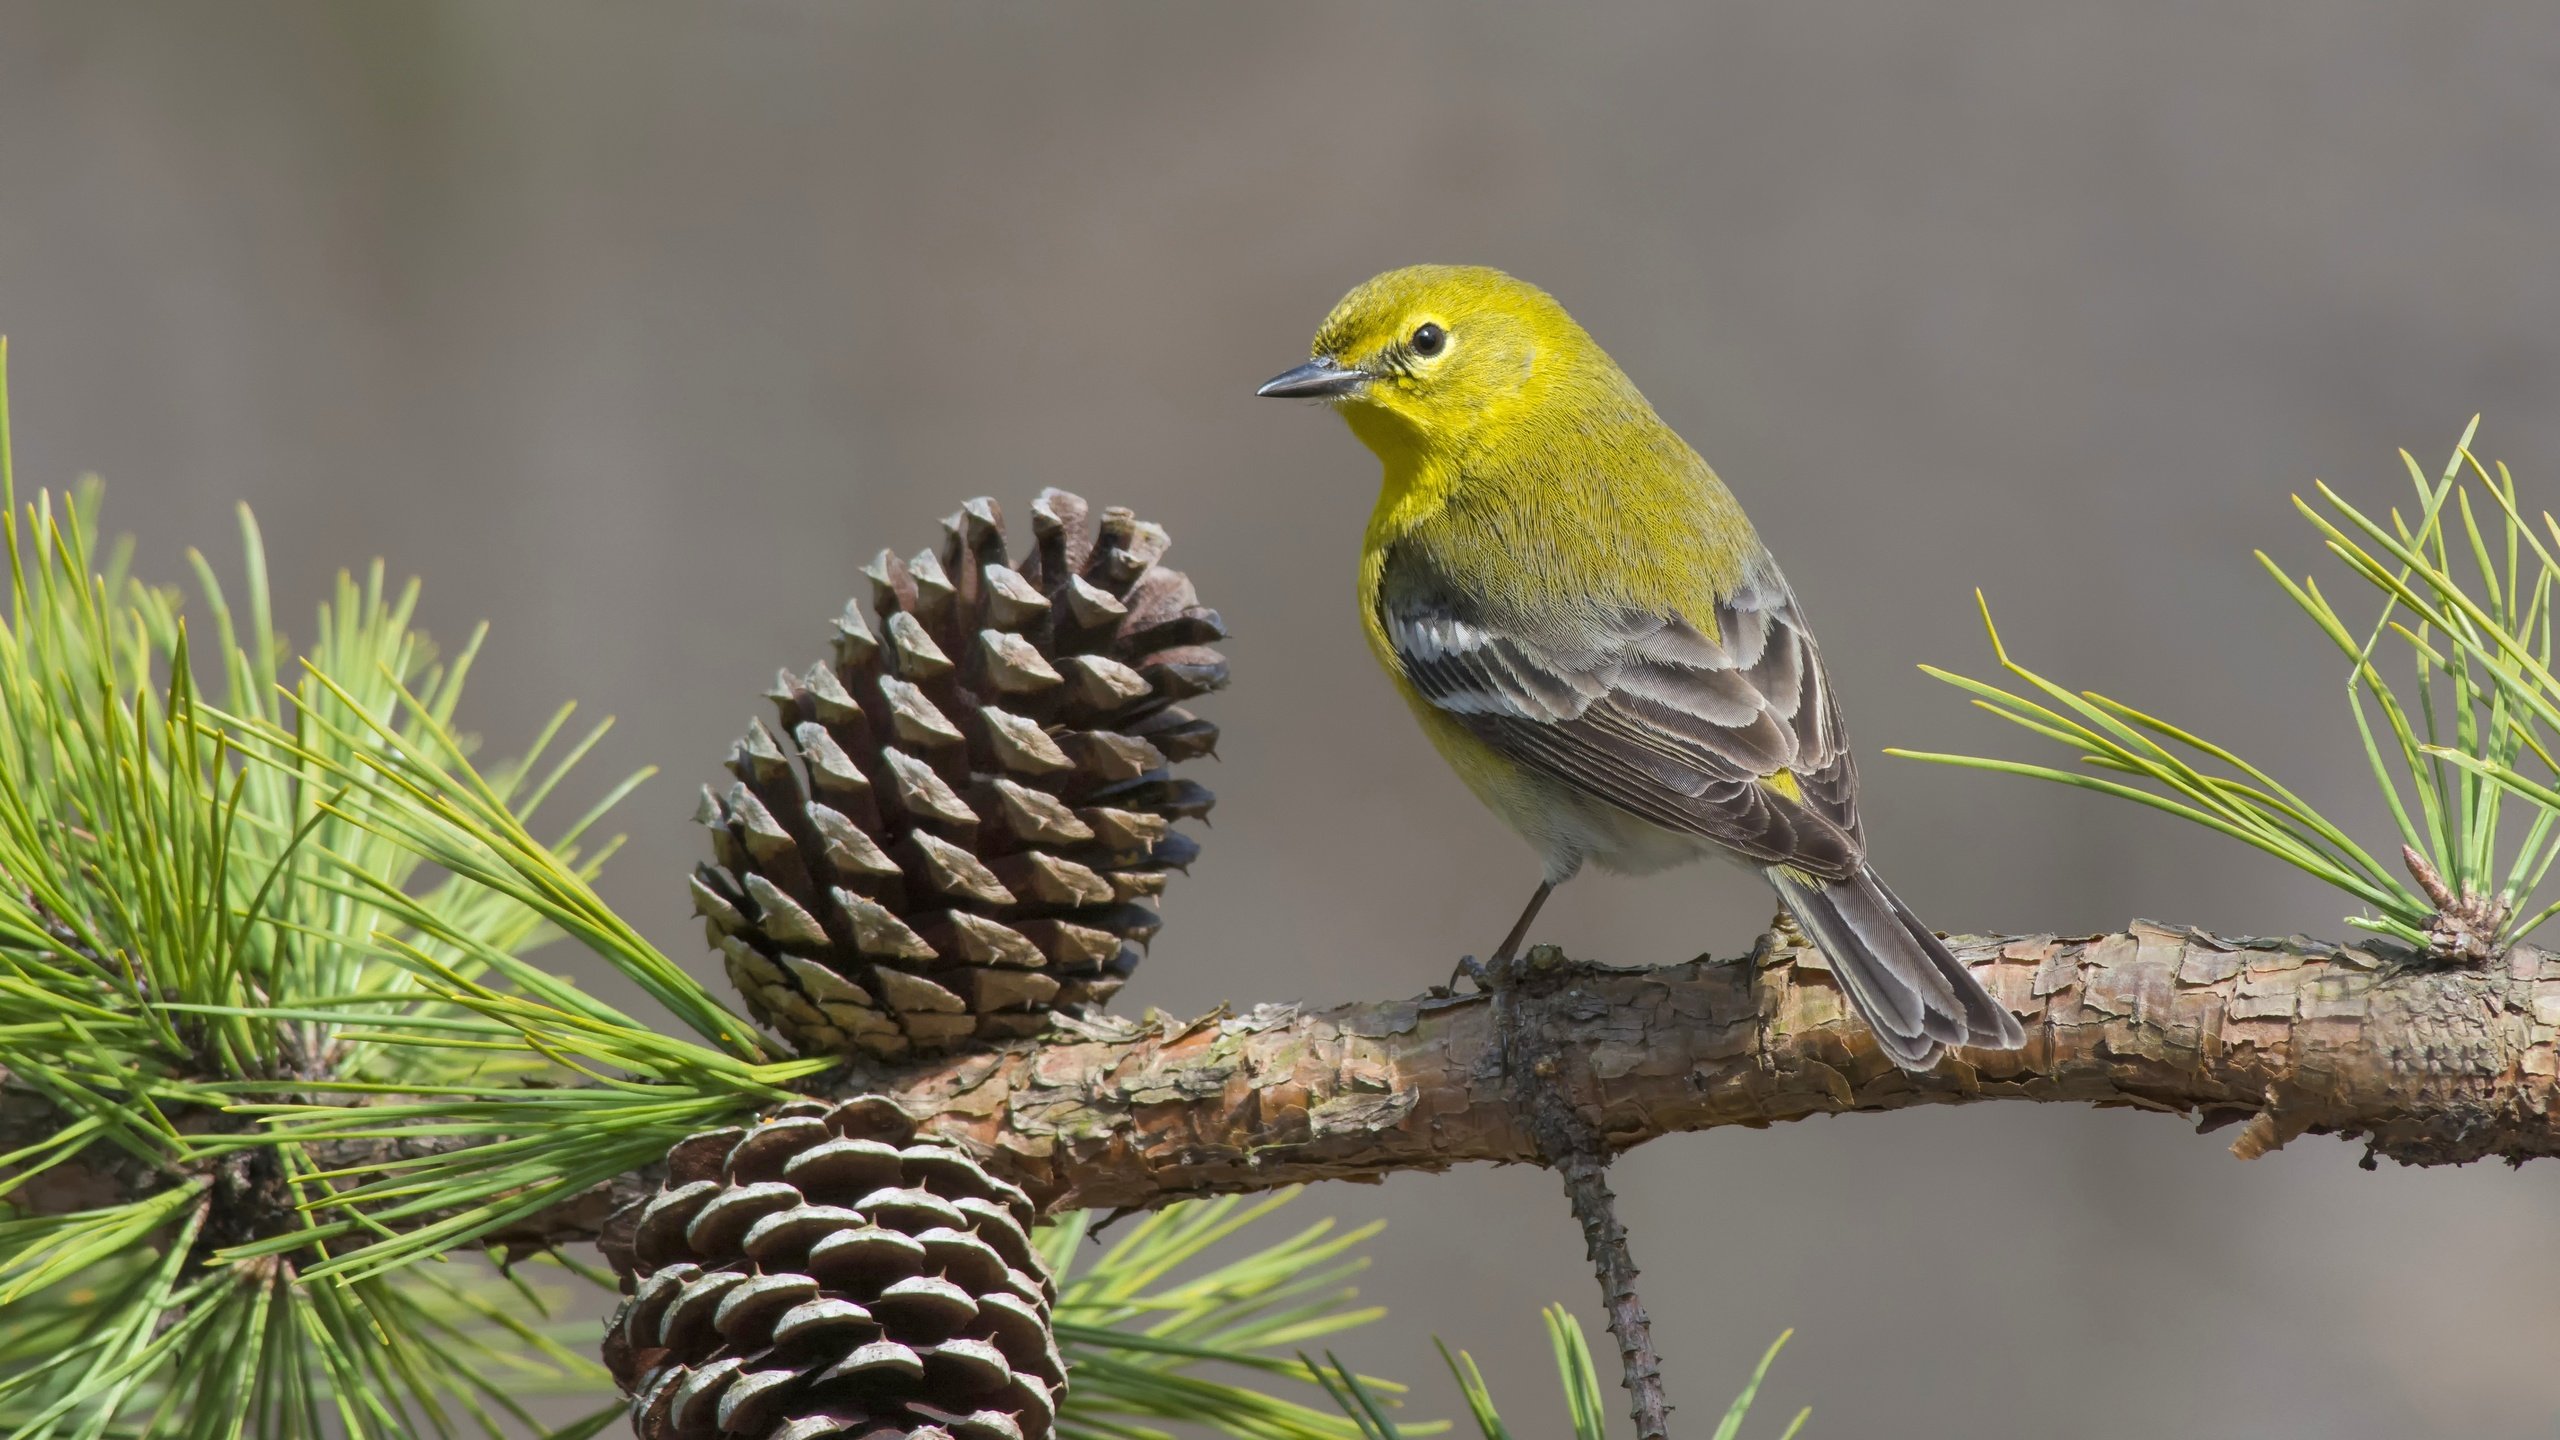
<point x="1590" y="631"/>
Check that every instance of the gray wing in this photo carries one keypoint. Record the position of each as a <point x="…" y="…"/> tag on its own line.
<point x="1657" y="716"/>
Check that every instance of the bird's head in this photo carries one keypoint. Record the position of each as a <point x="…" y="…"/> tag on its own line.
<point x="1434" y="358"/>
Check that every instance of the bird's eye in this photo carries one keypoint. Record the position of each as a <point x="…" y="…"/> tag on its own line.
<point x="1428" y="340"/>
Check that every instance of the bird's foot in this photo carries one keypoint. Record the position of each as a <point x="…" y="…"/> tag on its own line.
<point x="1470" y="969"/>
<point x="1503" y="970"/>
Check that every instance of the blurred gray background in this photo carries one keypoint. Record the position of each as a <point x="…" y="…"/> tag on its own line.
<point x="635" y="328"/>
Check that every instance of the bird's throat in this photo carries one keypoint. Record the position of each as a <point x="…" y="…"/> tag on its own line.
<point x="1414" y="481"/>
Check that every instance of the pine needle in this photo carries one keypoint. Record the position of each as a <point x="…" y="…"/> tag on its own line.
<point x="2469" y="606"/>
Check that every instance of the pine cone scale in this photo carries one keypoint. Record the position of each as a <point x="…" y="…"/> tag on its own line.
<point x="834" y="1275"/>
<point x="962" y="821"/>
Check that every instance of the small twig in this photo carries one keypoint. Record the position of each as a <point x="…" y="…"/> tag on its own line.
<point x="1574" y="1146"/>
<point x="2424" y="872"/>
<point x="2466" y="928"/>
<point x="1586" y="1184"/>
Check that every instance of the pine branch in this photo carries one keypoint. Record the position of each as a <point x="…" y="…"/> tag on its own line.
<point x="2284" y="1037"/>
<point x="2291" y="1037"/>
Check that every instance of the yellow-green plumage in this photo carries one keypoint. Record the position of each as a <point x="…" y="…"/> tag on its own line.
<point x="1498" y="459"/>
<point x="1590" y="631"/>
<point x="1493" y="468"/>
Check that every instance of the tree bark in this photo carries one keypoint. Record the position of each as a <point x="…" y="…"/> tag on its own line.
<point x="2286" y="1037"/>
<point x="2291" y="1037"/>
<point x="1557" y="1112"/>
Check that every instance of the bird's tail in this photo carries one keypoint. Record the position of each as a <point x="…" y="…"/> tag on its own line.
<point x="1918" y="998"/>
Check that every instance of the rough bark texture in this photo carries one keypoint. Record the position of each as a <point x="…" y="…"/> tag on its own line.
<point x="1551" y="1099"/>
<point x="1586" y="1185"/>
<point x="2290" y="1037"/>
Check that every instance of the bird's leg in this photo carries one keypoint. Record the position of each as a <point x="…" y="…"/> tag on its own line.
<point x="1488" y="974"/>
<point x="1510" y="949"/>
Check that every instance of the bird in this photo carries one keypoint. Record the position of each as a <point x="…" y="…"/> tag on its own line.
<point x="1593" y="636"/>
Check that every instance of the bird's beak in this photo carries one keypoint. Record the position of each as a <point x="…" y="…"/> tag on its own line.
<point x="1322" y="378"/>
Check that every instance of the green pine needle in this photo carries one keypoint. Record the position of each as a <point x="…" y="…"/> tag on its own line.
<point x="1137" y="1321"/>
<point x="255" y="901"/>
<point x="2471" y="606"/>
<point x="1586" y="1397"/>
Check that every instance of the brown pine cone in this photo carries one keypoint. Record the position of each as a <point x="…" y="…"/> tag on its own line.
<point x="964" y="819"/>
<point x="827" y="1273"/>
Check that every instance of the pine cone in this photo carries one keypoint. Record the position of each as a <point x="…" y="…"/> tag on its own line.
<point x="827" y="1273"/>
<point x="959" y="828"/>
